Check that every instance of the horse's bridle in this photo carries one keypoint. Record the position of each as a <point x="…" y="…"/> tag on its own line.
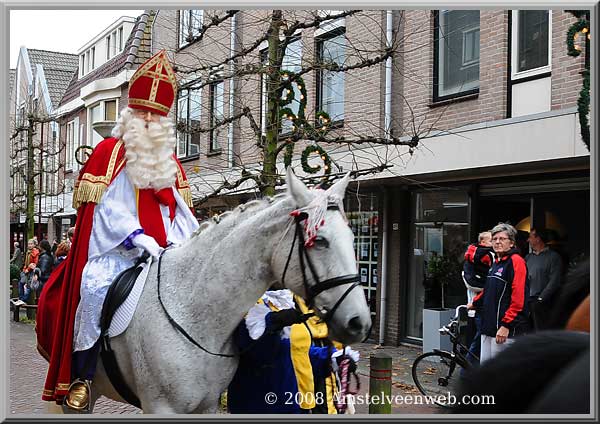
<point x="312" y="291"/>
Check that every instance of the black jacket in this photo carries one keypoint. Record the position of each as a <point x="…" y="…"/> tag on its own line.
<point x="478" y="260"/>
<point x="503" y="301"/>
<point x="45" y="264"/>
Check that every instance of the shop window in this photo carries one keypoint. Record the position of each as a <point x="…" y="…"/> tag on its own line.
<point x="439" y="237"/>
<point x="456" y="53"/>
<point x="365" y="227"/>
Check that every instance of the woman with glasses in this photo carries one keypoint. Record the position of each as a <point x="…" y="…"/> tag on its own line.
<point x="503" y="301"/>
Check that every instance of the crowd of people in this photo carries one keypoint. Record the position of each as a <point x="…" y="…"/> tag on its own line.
<point x="532" y="326"/>
<point x="36" y="265"/>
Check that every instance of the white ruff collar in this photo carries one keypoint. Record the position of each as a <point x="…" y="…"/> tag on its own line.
<point x="281" y="299"/>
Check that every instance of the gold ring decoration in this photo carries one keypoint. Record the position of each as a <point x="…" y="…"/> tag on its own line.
<point x="84" y="152"/>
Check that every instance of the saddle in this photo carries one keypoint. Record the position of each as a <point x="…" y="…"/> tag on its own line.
<point x="117" y="294"/>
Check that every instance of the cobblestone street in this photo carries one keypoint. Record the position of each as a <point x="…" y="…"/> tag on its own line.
<point x="28" y="372"/>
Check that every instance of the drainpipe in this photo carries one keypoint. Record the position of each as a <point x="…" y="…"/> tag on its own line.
<point x="232" y="48"/>
<point x="383" y="276"/>
<point x="387" y="127"/>
<point x="388" y="75"/>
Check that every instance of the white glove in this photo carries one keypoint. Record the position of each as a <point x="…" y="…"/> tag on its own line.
<point x="148" y="244"/>
<point x="353" y="354"/>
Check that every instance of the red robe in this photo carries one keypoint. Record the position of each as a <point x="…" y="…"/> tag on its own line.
<point x="60" y="296"/>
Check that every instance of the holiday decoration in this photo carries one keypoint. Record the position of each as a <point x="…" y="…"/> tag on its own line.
<point x="582" y="26"/>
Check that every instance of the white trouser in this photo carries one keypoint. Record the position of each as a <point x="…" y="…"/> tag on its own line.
<point x="489" y="347"/>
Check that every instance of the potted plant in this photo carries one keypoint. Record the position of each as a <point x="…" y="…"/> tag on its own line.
<point x="441" y="271"/>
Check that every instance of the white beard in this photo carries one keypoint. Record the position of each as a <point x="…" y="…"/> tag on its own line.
<point x="148" y="151"/>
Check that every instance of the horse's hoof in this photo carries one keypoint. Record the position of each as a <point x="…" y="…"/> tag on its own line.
<point x="78" y="398"/>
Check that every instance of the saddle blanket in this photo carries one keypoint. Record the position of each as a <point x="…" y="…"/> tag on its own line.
<point x="124" y="313"/>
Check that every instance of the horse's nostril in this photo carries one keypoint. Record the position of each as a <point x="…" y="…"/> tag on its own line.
<point x="355" y="324"/>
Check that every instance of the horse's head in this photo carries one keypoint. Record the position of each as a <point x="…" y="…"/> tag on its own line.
<point x="316" y="260"/>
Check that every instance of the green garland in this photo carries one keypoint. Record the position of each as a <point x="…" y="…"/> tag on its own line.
<point x="315" y="148"/>
<point x="576" y="28"/>
<point x="583" y="107"/>
<point x="583" y="103"/>
<point x="287" y="94"/>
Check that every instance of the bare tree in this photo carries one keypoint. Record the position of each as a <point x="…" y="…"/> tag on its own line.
<point x="278" y="108"/>
<point x="36" y="169"/>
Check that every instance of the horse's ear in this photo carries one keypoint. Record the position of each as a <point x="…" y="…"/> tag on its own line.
<point x="339" y="188"/>
<point x="297" y="189"/>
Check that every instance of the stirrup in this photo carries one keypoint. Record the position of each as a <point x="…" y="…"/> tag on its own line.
<point x="78" y="397"/>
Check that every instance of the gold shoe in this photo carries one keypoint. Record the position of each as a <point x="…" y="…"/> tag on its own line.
<point x="78" y="397"/>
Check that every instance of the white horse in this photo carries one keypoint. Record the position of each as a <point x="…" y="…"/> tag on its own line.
<point x="208" y="284"/>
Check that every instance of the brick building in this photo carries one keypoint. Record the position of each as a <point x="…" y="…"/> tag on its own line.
<point x="490" y="94"/>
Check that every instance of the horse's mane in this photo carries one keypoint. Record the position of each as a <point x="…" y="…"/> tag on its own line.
<point x="237" y="215"/>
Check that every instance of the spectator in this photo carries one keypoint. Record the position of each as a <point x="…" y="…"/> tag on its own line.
<point x="503" y="300"/>
<point x="17" y="257"/>
<point x="30" y="263"/>
<point x="45" y="265"/>
<point x="277" y="356"/>
<point x="70" y="235"/>
<point x="544" y="266"/>
<point x="478" y="260"/>
<point x="61" y="252"/>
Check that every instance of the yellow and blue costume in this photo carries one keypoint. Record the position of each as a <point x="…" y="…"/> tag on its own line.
<point x="283" y="362"/>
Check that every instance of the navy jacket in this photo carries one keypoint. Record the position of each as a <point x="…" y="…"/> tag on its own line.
<point x="478" y="260"/>
<point x="503" y="301"/>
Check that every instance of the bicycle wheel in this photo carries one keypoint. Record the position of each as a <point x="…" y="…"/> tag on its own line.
<point x="437" y="374"/>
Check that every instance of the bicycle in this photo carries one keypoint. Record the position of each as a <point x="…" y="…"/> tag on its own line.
<point x="435" y="373"/>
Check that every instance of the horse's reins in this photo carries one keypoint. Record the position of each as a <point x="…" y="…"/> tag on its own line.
<point x="175" y="324"/>
<point x="311" y="291"/>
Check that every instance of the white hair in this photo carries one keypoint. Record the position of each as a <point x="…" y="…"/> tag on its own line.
<point x="148" y="150"/>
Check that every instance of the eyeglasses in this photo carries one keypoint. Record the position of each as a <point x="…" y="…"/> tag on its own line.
<point x="500" y="238"/>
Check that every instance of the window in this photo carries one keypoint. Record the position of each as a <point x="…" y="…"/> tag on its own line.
<point x="120" y="38"/>
<point x="54" y="129"/>
<point x="72" y="144"/>
<point x="330" y="94"/>
<point x="102" y="111"/>
<point x="216" y="114"/>
<point x="110" y="110"/>
<point x="108" y="47"/>
<point x="113" y="43"/>
<point x="190" y="24"/>
<point x="531" y="42"/>
<point x="188" y="120"/>
<point x="439" y="229"/>
<point x="456" y="61"/>
<point x="93" y="56"/>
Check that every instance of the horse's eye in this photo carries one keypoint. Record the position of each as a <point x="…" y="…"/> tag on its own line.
<point x="321" y="242"/>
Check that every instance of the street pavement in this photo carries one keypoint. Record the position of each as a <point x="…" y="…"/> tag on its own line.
<point x="28" y="371"/>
